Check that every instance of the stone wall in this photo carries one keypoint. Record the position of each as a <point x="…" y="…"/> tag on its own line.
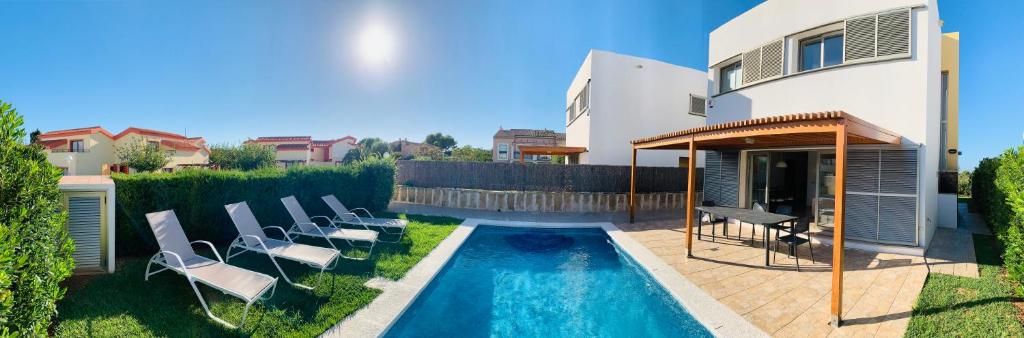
<point x="539" y="201"/>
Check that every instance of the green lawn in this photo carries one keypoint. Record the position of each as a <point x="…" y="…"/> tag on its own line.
<point x="951" y="306"/>
<point x="123" y="305"/>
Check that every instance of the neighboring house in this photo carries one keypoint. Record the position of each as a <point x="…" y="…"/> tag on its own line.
<point x="409" y="149"/>
<point x="884" y="63"/>
<point x="616" y="98"/>
<point x="301" y="150"/>
<point x="92" y="150"/>
<point x="507" y="143"/>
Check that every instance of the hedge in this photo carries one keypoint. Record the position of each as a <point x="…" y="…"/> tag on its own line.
<point x="35" y="249"/>
<point x="198" y="198"/>
<point x="997" y="190"/>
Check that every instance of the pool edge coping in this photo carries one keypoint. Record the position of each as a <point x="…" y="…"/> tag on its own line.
<point x="376" y="318"/>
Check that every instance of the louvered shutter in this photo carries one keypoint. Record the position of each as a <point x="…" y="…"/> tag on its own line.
<point x="894" y="33"/>
<point x="752" y="65"/>
<point x="771" y="59"/>
<point x="860" y="38"/>
<point x="881" y="195"/>
<point x="721" y="177"/>
<point x="84" y="215"/>
<point x="697" y="105"/>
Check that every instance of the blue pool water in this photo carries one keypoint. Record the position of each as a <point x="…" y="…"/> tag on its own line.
<point x="531" y="282"/>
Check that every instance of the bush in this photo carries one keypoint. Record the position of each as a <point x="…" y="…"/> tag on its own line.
<point x="35" y="250"/>
<point x="249" y="156"/>
<point x="143" y="157"/>
<point x="963" y="183"/>
<point x="198" y="198"/>
<point x="998" y="193"/>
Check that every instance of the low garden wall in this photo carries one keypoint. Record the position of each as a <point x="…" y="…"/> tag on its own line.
<point x="198" y="198"/>
<point x="496" y="176"/>
<point x="537" y="201"/>
<point x="997" y="191"/>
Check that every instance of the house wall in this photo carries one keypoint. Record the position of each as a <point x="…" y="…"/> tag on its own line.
<point x="494" y="149"/>
<point x="631" y="98"/>
<point x="901" y="95"/>
<point x="177" y="157"/>
<point x="338" y="150"/>
<point x="100" y="151"/>
<point x="951" y="65"/>
<point x="577" y="131"/>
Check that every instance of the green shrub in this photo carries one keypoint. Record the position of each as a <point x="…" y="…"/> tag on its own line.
<point x="998" y="193"/>
<point x="35" y="250"/>
<point x="249" y="156"/>
<point x="143" y="157"/>
<point x="198" y="198"/>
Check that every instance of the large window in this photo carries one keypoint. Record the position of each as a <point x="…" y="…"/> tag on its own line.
<point x="821" y="51"/>
<point x="503" y="151"/>
<point x="729" y="77"/>
<point x="944" y="121"/>
<point x="76" y="146"/>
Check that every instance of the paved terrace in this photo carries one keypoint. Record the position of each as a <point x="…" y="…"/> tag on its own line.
<point x="880" y="288"/>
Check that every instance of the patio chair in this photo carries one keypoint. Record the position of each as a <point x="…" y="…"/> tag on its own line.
<point x="710" y="218"/>
<point x="792" y="240"/>
<point x="304" y="226"/>
<point x="346" y="216"/>
<point x="176" y="255"/>
<point x="252" y="238"/>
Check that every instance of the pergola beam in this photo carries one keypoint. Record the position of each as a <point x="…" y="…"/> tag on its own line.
<point x="839" y="226"/>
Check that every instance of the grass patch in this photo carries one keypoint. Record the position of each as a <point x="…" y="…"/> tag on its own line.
<point x="123" y="305"/>
<point x="952" y="306"/>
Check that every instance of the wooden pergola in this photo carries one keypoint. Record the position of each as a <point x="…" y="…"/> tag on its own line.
<point x="797" y="130"/>
<point x="548" y="150"/>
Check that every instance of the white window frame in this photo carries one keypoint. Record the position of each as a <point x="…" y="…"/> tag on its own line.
<point x="820" y="38"/>
<point x="738" y="65"/>
<point x="71" y="146"/>
<point x="503" y="155"/>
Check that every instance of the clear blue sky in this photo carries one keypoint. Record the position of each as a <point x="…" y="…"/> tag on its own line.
<point x="232" y="70"/>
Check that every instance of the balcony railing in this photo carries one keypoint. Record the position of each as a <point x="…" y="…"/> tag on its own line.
<point x="69" y="150"/>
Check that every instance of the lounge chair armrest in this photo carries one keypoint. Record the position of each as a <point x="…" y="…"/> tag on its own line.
<point x="328" y="219"/>
<point x="364" y="210"/>
<point x="285" y="233"/>
<point x="211" y="249"/>
<point x="181" y="263"/>
<point x="258" y="240"/>
<point x="360" y="220"/>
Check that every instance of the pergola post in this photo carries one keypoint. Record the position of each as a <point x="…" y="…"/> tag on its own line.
<point x="522" y="157"/>
<point x="839" y="220"/>
<point x="691" y="195"/>
<point x="632" y="188"/>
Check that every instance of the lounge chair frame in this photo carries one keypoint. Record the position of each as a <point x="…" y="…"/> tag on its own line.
<point x="338" y="219"/>
<point x="297" y="230"/>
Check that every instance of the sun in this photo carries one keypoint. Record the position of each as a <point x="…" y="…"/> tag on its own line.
<point x="376" y="45"/>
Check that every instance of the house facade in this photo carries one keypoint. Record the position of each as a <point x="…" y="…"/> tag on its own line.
<point x="92" y="150"/>
<point x="304" y="150"/>
<point x="884" y="62"/>
<point x="506" y="144"/>
<point x="407" y="149"/>
<point x="616" y="98"/>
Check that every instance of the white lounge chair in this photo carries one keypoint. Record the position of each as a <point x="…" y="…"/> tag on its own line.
<point x="252" y="238"/>
<point x="176" y="255"/>
<point x="343" y="215"/>
<point x="304" y="226"/>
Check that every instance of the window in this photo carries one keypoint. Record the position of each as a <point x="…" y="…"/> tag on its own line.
<point x="154" y="144"/>
<point x="515" y="155"/>
<point x="584" y="97"/>
<point x="503" y="151"/>
<point x="729" y="77"/>
<point x="943" y="121"/>
<point x="168" y="170"/>
<point x="697" y="105"/>
<point x="571" y="111"/>
<point x="821" y="51"/>
<point x="76" y="146"/>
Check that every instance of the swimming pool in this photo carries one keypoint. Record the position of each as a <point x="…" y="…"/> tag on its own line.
<point x="543" y="282"/>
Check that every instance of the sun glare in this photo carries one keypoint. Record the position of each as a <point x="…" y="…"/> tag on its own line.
<point x="376" y="45"/>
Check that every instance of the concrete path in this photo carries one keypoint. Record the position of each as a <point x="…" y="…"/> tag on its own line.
<point x="951" y="251"/>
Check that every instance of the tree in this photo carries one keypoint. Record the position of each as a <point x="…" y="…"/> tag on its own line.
<point x="557" y="159"/>
<point x="248" y="156"/>
<point x="34" y="136"/>
<point x="469" y="153"/>
<point x="373" y="146"/>
<point x="963" y="184"/>
<point x="352" y="156"/>
<point x="35" y="249"/>
<point x="142" y="157"/>
<point x="445" y="142"/>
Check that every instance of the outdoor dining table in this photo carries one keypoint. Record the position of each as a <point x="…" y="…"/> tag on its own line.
<point x="765" y="219"/>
